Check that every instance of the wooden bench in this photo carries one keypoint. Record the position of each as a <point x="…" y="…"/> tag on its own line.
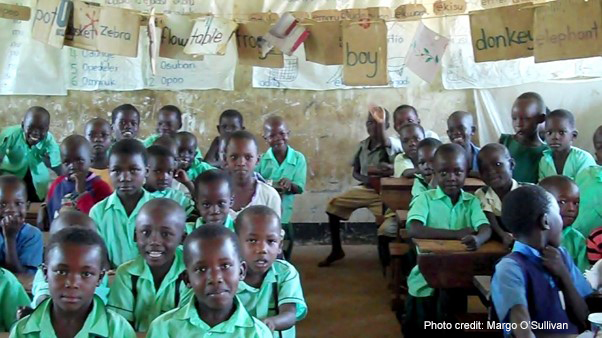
<point x="483" y="285"/>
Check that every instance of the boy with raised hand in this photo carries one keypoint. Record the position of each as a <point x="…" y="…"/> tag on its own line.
<point x="28" y="150"/>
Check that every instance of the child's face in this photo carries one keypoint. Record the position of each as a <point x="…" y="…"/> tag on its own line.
<point x="426" y="155"/>
<point x="13" y="201"/>
<point x="555" y="224"/>
<point x="127" y="173"/>
<point x="403" y="117"/>
<point x="126" y="124"/>
<point x="73" y="272"/>
<point x="525" y="118"/>
<point x="168" y="122"/>
<point x="213" y="201"/>
<point x="228" y="125"/>
<point x="460" y="130"/>
<point x="598" y="145"/>
<point x="35" y="126"/>
<point x="559" y="134"/>
<point x="567" y="196"/>
<point x="98" y="134"/>
<point x="495" y="169"/>
<point x="276" y="135"/>
<point x="260" y="241"/>
<point x="214" y="271"/>
<point x="187" y="146"/>
<point x="450" y="172"/>
<point x="158" y="234"/>
<point x="160" y="172"/>
<point x="76" y="159"/>
<point x="410" y="137"/>
<point x="241" y="158"/>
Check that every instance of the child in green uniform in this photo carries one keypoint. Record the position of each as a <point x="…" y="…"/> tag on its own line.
<point x="495" y="166"/>
<point x="190" y="166"/>
<point x="460" y="130"/>
<point x="590" y="185"/>
<point x="12" y="296"/>
<point x="229" y="121"/>
<point x="28" y="150"/>
<point x="213" y="189"/>
<point x="443" y="213"/>
<point x="424" y="178"/>
<point x="169" y="121"/>
<point x="562" y="158"/>
<point x="214" y="267"/>
<point x="75" y="261"/>
<point x="152" y="283"/>
<point x="525" y="146"/>
<point x="98" y="133"/>
<point x="286" y="168"/>
<point x="115" y="216"/>
<point x="161" y="168"/>
<point x="405" y="163"/>
<point x="272" y="288"/>
<point x="566" y="193"/>
<point x="125" y="121"/>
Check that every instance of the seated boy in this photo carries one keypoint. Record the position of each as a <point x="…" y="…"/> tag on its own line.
<point x="75" y="266"/>
<point x="525" y="146"/>
<point x="161" y="168"/>
<point x="21" y="244"/>
<point x="28" y="150"/>
<point x="562" y="158"/>
<point x="214" y="268"/>
<point x="125" y="121"/>
<point x="460" y="129"/>
<point x="79" y="187"/>
<point x="152" y="283"/>
<point x="405" y="163"/>
<point x="286" y="168"/>
<point x="12" y="297"/>
<point x="213" y="189"/>
<point x="538" y="281"/>
<point x="189" y="167"/>
<point x="115" y="216"/>
<point x="495" y="167"/>
<point x="98" y="133"/>
<point x="169" y="121"/>
<point x="271" y="290"/>
<point x="443" y="213"/>
<point x="229" y="121"/>
<point x="241" y="160"/>
<point x="405" y="114"/>
<point x="372" y="153"/>
<point x="566" y="193"/>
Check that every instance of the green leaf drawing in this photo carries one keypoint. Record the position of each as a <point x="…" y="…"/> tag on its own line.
<point x="426" y="51"/>
<point x="428" y="59"/>
<point x="436" y="58"/>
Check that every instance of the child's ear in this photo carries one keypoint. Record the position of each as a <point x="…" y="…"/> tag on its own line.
<point x="243" y="270"/>
<point x="543" y="221"/>
<point x="512" y="164"/>
<point x="147" y="171"/>
<point x="45" y="271"/>
<point x="575" y="134"/>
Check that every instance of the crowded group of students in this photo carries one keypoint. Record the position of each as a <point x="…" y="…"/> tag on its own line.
<point x="201" y="244"/>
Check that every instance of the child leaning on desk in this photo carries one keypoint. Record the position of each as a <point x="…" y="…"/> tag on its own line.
<point x="446" y="212"/>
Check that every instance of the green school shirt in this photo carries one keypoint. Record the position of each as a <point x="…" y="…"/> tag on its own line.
<point x="186" y="322"/>
<point x="40" y="288"/>
<point x="434" y="209"/>
<point x="178" y="196"/>
<point x="419" y="186"/>
<point x="12" y="295"/>
<point x="577" y="160"/>
<point x="18" y="157"/>
<point x="198" y="167"/>
<point x="117" y="228"/>
<point x="401" y="164"/>
<point x="294" y="167"/>
<point x="526" y="159"/>
<point x="590" y="206"/>
<point x="148" y="303"/>
<point x="261" y="302"/>
<point x="151" y="139"/>
<point x="101" y="322"/>
<point x="575" y="244"/>
<point x="191" y="226"/>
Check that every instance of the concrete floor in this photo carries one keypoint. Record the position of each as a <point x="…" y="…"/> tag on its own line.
<point x="348" y="299"/>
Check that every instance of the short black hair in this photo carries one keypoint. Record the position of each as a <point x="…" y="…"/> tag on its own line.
<point x="77" y="139"/>
<point x="167" y="206"/>
<point x="254" y="210"/>
<point x="37" y="110"/>
<point x="554" y="181"/>
<point x="208" y="232"/>
<point x="159" y="151"/>
<point x="212" y="175"/>
<point x="404" y="107"/>
<point x="523" y="207"/>
<point x="182" y="134"/>
<point x="129" y="147"/>
<point x="459" y="114"/>
<point x="492" y="147"/>
<point x="451" y="149"/>
<point x="231" y="113"/>
<point x="121" y="108"/>
<point x="541" y="106"/>
<point x="79" y="236"/>
<point x="12" y="179"/>
<point x="563" y="114"/>
<point x="429" y="142"/>
<point x="242" y="135"/>
<point x="412" y="125"/>
<point x="174" y="109"/>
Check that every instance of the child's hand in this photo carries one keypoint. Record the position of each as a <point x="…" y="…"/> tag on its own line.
<point x="285" y="184"/>
<point x="23" y="311"/>
<point x="80" y="181"/>
<point x="378" y="114"/>
<point x="553" y="262"/>
<point x="10" y="226"/>
<point x="471" y="242"/>
<point x="462" y="233"/>
<point x="269" y="322"/>
<point x="181" y="176"/>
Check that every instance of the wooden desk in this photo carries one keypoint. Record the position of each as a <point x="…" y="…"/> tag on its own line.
<point x="26" y="280"/>
<point x="447" y="263"/>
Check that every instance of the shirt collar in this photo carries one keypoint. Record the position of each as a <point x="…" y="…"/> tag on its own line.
<point x="140" y="268"/>
<point x="290" y="156"/>
<point x="228" y="222"/>
<point x="490" y="194"/>
<point x="113" y="201"/>
<point x="525" y="249"/>
<point x="439" y="194"/>
<point x="240" y="318"/>
<point x="270" y="277"/>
